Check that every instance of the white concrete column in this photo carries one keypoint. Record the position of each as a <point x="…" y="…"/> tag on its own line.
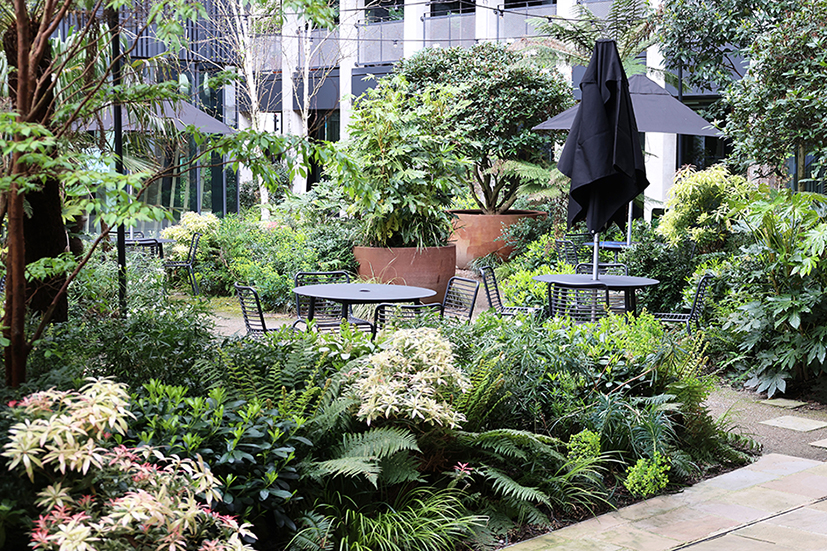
<point x="351" y="16"/>
<point x="291" y="121"/>
<point x="660" y="151"/>
<point x="414" y="26"/>
<point x="565" y="8"/>
<point x="486" y="21"/>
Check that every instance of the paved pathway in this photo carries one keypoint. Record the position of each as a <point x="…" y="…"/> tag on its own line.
<point x="778" y="503"/>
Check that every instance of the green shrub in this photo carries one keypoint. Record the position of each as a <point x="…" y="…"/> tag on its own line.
<point x="672" y="265"/>
<point x="584" y="445"/>
<point x="648" y="476"/>
<point x="163" y="342"/>
<point x="250" y="448"/>
<point x="93" y="494"/>
<point x="699" y="205"/>
<point x="778" y="290"/>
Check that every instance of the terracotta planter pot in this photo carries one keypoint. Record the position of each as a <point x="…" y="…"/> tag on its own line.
<point x="431" y="267"/>
<point x="476" y="234"/>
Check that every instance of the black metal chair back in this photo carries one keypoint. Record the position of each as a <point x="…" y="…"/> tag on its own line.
<point x="580" y="303"/>
<point x="189" y="262"/>
<point x="251" y="310"/>
<point x="492" y="290"/>
<point x="603" y="268"/>
<point x="387" y="312"/>
<point x="617" y="299"/>
<point x="460" y="296"/>
<point x="566" y="251"/>
<point x="694" y="314"/>
<point x="324" y="310"/>
<point x="196" y="237"/>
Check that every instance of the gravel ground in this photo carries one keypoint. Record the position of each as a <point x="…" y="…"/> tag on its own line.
<point x="744" y="411"/>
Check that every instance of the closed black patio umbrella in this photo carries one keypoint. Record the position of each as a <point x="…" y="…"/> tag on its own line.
<point x="602" y="155"/>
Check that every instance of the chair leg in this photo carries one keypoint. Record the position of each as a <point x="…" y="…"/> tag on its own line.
<point x="192" y="279"/>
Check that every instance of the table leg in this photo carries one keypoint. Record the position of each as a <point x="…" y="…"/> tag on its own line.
<point x="630" y="301"/>
<point x="311" y="309"/>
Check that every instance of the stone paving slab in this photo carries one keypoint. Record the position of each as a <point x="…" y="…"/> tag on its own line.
<point x="785" y="403"/>
<point x="819" y="443"/>
<point x="778" y="503"/>
<point x="792" y="422"/>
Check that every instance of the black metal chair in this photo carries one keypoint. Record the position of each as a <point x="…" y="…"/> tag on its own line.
<point x="388" y="312"/>
<point x="581" y="303"/>
<point x="566" y="251"/>
<point x="694" y="314"/>
<point x="327" y="314"/>
<point x="188" y="263"/>
<point x="460" y="296"/>
<point x="603" y="268"/>
<point x="617" y="299"/>
<point x="492" y="291"/>
<point x="251" y="310"/>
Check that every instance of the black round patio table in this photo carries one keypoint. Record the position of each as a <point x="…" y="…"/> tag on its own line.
<point x="348" y="294"/>
<point x="627" y="284"/>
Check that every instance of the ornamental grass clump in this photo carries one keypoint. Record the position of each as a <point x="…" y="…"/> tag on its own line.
<point x="413" y="378"/>
<point x="93" y="494"/>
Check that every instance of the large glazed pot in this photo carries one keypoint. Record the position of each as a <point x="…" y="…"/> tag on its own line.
<point x="476" y="234"/>
<point x="430" y="267"/>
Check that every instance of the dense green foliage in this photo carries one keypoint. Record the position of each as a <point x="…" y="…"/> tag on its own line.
<point x="409" y="166"/>
<point x="415" y="439"/>
<point x="502" y="97"/>
<point x="710" y="39"/>
<point x="775" y="307"/>
<point x="698" y="207"/>
<point x="266" y="255"/>
<point x="779" y="108"/>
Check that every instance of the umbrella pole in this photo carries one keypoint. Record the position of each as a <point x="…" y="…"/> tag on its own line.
<point x="629" y="224"/>
<point x="594" y="257"/>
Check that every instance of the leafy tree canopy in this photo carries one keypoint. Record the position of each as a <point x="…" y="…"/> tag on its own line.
<point x="710" y="39"/>
<point x="504" y="97"/>
<point x="779" y="108"/>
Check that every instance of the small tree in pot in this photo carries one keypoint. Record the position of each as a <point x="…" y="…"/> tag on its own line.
<point x="503" y="99"/>
<point x="408" y="165"/>
<point x="408" y="169"/>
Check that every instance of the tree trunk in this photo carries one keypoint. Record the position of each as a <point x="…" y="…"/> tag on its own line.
<point x="42" y="234"/>
<point x="43" y="230"/>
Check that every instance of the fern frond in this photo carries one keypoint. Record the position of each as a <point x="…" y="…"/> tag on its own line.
<point x="330" y="417"/>
<point x="507" y="487"/>
<point x="399" y="468"/>
<point x="483" y="396"/>
<point x="314" y="535"/>
<point x="348" y="466"/>
<point x="515" y="444"/>
<point x="376" y="443"/>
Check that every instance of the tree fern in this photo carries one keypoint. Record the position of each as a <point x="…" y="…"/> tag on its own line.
<point x="630" y="23"/>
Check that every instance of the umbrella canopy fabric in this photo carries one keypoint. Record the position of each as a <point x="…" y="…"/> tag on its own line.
<point x="656" y="110"/>
<point x="181" y="115"/>
<point x="602" y="154"/>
